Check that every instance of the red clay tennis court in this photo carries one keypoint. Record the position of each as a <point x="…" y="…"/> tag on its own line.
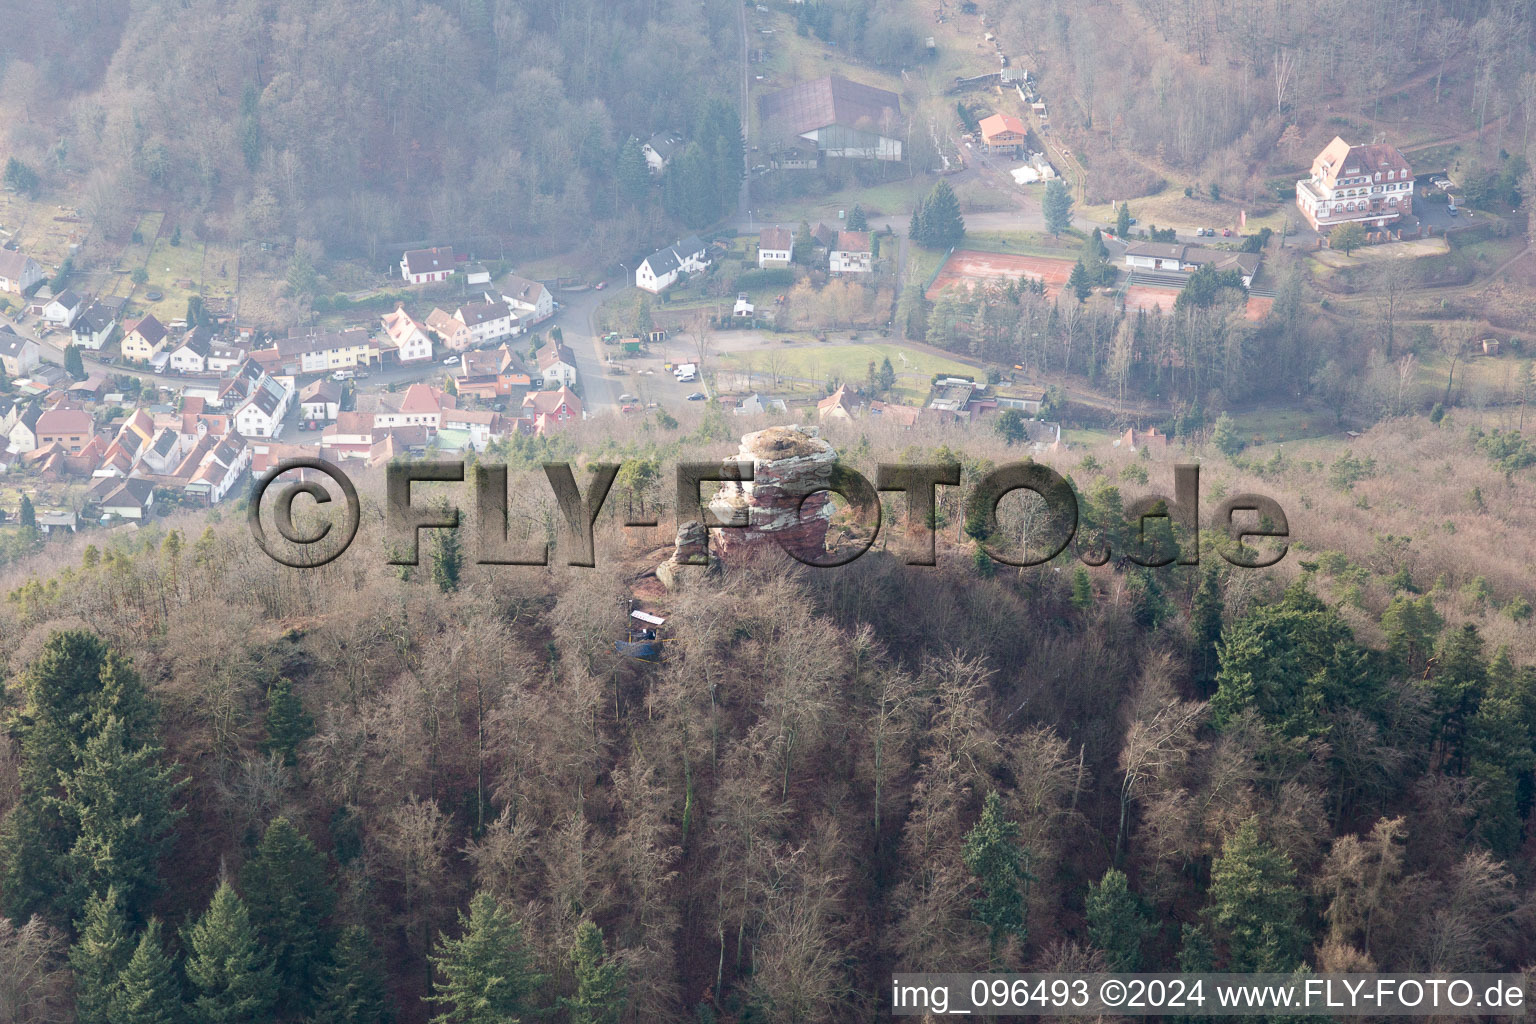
<point x="968" y="267"/>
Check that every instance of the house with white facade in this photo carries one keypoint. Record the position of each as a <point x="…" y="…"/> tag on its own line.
<point x="94" y="326"/>
<point x="62" y="309"/>
<point x="1367" y="185"/>
<point x="659" y="149"/>
<point x="775" y="247"/>
<point x="851" y="253"/>
<point x="427" y="266"/>
<point x="530" y="300"/>
<point x="18" y="271"/>
<point x="1177" y="257"/>
<point x="220" y="469"/>
<point x="408" y="335"/>
<point x="320" y="400"/>
<point x="421" y="405"/>
<point x="482" y="425"/>
<point x="557" y="365"/>
<point x="487" y="321"/>
<point x="17" y="354"/>
<point x="224" y="356"/>
<point x="261" y="415"/>
<point x="661" y="269"/>
<point x="190" y="355"/>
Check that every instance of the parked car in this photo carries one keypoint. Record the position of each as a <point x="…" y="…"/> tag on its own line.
<point x="451" y="361"/>
<point x="601" y="285"/>
<point x="1453" y="211"/>
<point x="628" y="398"/>
<point x="697" y="396"/>
<point x="1226" y="232"/>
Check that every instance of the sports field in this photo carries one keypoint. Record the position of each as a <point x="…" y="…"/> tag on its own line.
<point x="968" y="267"/>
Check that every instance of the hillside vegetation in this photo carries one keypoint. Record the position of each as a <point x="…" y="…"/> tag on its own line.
<point x="1328" y="763"/>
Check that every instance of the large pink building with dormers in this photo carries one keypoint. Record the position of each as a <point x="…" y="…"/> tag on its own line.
<point x="1368" y="185"/>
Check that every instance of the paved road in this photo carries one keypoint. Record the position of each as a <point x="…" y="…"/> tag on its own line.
<point x="599" y="392"/>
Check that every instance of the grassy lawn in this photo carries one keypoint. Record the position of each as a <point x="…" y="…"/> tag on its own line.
<point x="1268" y="426"/>
<point x="136" y="254"/>
<point x="176" y="271"/>
<point x="1172" y="208"/>
<point x="221" y="271"/>
<point x="850" y="361"/>
<point x="1411" y="250"/>
<point x="923" y="263"/>
<point x="41" y="227"/>
<point x="1030" y="243"/>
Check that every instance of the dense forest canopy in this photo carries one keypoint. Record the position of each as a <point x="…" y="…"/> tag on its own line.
<point x="366" y="787"/>
<point x="361" y="124"/>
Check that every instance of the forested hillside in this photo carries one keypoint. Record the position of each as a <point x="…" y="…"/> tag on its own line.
<point x="228" y="782"/>
<point x="355" y="124"/>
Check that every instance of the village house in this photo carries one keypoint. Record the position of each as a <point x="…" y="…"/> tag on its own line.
<point x="659" y="149"/>
<point x="219" y="470"/>
<point x="1368" y="185"/>
<point x="409" y="337"/>
<point x="94" y="326"/>
<point x="547" y="411"/>
<point x="320" y="400"/>
<point x="190" y="355"/>
<point x="1003" y="133"/>
<point x="530" y="300"/>
<point x="162" y="455"/>
<point x="426" y="266"/>
<point x="839" y="406"/>
<point x="489" y="374"/>
<point x="351" y="436"/>
<point x="144" y="340"/>
<point x="481" y="426"/>
<point x="450" y="330"/>
<point x="1177" y="257"/>
<point x="486" y="321"/>
<point x="756" y="404"/>
<point x="557" y="366"/>
<point x="261" y="415"/>
<point x="62" y="309"/>
<point x="22" y="437"/>
<point x="419" y="405"/>
<point x="1154" y="440"/>
<point x="224" y="356"/>
<point x="71" y="429"/>
<point x="851" y="253"/>
<point x="661" y="269"/>
<point x="131" y="498"/>
<point x="17" y="354"/>
<point x="775" y="247"/>
<point x="18" y="272"/>
<point x="903" y="416"/>
<point x="312" y="350"/>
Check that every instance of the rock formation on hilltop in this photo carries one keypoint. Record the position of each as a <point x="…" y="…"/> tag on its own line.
<point x="785" y="462"/>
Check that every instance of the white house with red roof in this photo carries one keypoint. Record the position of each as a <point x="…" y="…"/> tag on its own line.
<point x="409" y="336"/>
